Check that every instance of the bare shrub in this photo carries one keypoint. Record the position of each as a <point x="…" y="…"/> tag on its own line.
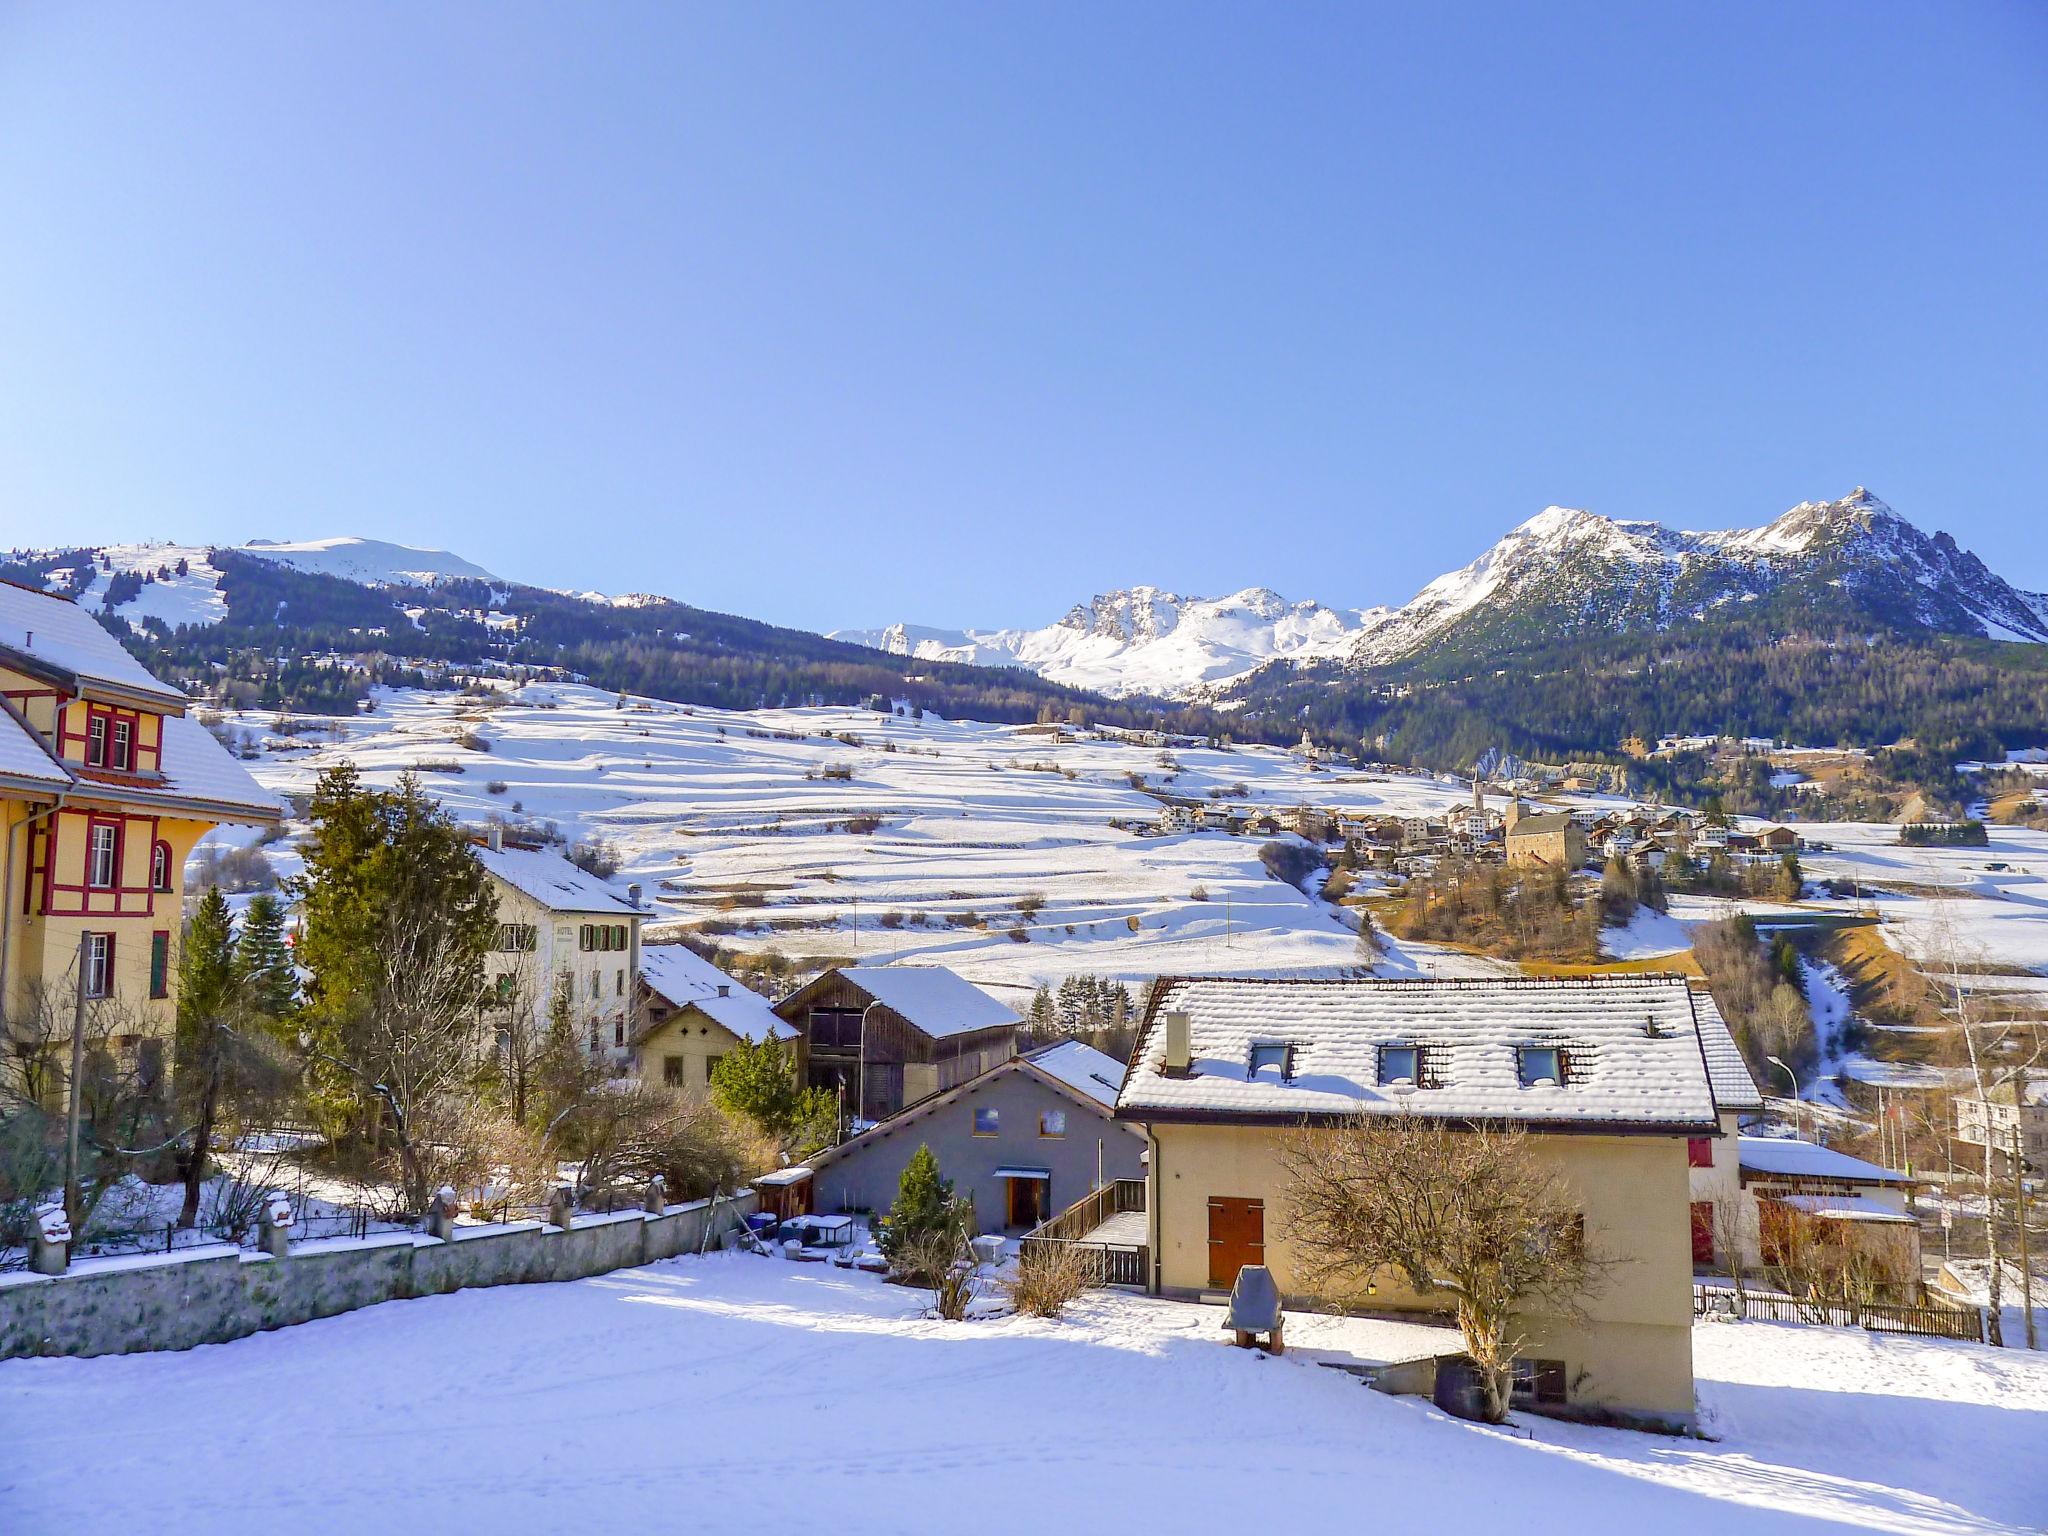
<point x="1048" y="1276"/>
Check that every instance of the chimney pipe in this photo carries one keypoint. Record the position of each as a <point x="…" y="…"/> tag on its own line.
<point x="497" y="838"/>
<point x="1177" y="1060"/>
<point x="724" y="989"/>
<point x="633" y="894"/>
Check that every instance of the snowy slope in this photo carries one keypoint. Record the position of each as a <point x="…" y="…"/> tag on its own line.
<point x="1142" y="640"/>
<point x="672" y="1396"/>
<point x="370" y="562"/>
<point x="193" y="598"/>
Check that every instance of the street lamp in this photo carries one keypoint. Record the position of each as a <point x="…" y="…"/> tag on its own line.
<point x="1793" y="1078"/>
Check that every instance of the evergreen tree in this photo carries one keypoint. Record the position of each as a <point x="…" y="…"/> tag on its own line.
<point x="206" y="994"/>
<point x="263" y="963"/>
<point x="758" y="1082"/>
<point x="924" y="1207"/>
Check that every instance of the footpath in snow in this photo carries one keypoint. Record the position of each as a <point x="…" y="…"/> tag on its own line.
<point x="734" y="1393"/>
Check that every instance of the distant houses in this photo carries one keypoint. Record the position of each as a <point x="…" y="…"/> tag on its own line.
<point x="692" y="1015"/>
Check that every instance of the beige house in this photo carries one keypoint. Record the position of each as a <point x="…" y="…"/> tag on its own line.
<point x="565" y="940"/>
<point x="106" y="784"/>
<point x="1608" y="1072"/>
<point x="692" y="1013"/>
<point x="1554" y="839"/>
<point x="2016" y="1107"/>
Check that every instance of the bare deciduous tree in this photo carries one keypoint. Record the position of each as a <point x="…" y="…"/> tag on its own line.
<point x="1473" y="1215"/>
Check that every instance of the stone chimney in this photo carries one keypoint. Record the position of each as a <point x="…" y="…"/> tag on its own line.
<point x="1177" y="1052"/>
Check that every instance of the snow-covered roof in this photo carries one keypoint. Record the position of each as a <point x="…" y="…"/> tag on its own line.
<point x="936" y="1000"/>
<point x="23" y="761"/>
<point x="1845" y="1208"/>
<point x="688" y="980"/>
<point x="1631" y="1045"/>
<point x="553" y="881"/>
<point x="1080" y="1066"/>
<point x="41" y="629"/>
<point x="1734" y="1088"/>
<point x="1787" y="1158"/>
<point x="200" y="771"/>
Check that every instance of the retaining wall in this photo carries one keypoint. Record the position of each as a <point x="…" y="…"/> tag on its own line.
<point x="177" y="1301"/>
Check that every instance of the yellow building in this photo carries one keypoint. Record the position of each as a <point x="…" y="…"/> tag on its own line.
<point x="106" y="783"/>
<point x="1607" y="1073"/>
<point x="693" y="1014"/>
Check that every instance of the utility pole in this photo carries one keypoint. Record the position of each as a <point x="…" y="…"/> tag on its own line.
<point x="71" y="1206"/>
<point x="2019" y="1204"/>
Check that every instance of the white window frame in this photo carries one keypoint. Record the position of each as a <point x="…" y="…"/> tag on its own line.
<point x="103" y="844"/>
<point x="99" y="965"/>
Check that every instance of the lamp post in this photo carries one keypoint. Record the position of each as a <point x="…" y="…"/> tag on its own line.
<point x="1793" y="1078"/>
<point x="860" y="1070"/>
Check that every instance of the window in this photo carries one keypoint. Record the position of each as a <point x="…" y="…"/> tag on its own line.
<point x="1052" y="1124"/>
<point x="160" y="962"/>
<point x="506" y="988"/>
<point x="986" y="1121"/>
<point x="160" y="867"/>
<point x="618" y="1031"/>
<point x="1540" y="1063"/>
<point x="99" y="965"/>
<point x="621" y="937"/>
<point x="518" y="938"/>
<point x="594" y="1047"/>
<point x="586" y="937"/>
<point x="619" y="988"/>
<point x="103" y="860"/>
<point x="1699" y="1152"/>
<point x="711" y="1067"/>
<point x="672" y="1071"/>
<point x="123" y="755"/>
<point x="1400" y="1063"/>
<point x="1538" y="1381"/>
<point x="1277" y="1058"/>
<point x="96" y="741"/>
<point x="596" y="986"/>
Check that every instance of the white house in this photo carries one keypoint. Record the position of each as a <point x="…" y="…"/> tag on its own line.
<point x="565" y="939"/>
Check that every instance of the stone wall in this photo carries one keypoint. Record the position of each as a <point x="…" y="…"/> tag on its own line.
<point x="178" y="1302"/>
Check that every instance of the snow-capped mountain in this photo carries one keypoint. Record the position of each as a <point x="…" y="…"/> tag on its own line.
<point x="369" y="562"/>
<point x="1562" y="573"/>
<point x="1143" y="640"/>
<point x="1571" y="572"/>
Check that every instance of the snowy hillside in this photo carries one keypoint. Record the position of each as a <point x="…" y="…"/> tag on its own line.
<point x="758" y="825"/>
<point x="369" y="562"/>
<point x="1143" y="640"/>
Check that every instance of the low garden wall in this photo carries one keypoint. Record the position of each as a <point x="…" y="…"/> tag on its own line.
<point x="179" y="1301"/>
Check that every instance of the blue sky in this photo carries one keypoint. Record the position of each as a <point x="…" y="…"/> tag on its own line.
<point x="844" y="314"/>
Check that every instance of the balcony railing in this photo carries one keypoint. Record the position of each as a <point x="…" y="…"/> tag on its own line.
<point x="1114" y="1263"/>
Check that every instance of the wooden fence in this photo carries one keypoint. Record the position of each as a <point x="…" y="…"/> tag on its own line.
<point x="1877" y="1317"/>
<point x="1114" y="1263"/>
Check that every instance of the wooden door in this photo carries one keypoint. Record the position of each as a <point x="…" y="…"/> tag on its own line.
<point x="1703" y="1232"/>
<point x="1027" y="1202"/>
<point x="1237" y="1237"/>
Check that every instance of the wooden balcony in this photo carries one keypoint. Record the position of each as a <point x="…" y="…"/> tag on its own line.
<point x="1109" y="1226"/>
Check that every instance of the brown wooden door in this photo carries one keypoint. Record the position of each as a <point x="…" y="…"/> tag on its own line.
<point x="1237" y="1237"/>
<point x="1027" y="1202"/>
<point x="1703" y="1232"/>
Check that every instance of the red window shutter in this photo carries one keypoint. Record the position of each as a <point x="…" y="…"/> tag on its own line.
<point x="1699" y="1152"/>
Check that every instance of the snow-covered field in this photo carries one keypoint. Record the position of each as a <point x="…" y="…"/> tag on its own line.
<point x="735" y="1393"/>
<point x="713" y="809"/>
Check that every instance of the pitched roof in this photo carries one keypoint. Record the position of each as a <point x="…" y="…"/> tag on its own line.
<point x="47" y="634"/>
<point x="1633" y="1057"/>
<point x="936" y="1000"/>
<point x="687" y="980"/>
<point x="1550" y="821"/>
<point x="1734" y="1088"/>
<point x="554" y="882"/>
<point x="1787" y="1158"/>
<point x="24" y="762"/>
<point x="1079" y="1065"/>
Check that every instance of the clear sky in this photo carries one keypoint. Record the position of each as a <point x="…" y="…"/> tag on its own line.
<point x="839" y="314"/>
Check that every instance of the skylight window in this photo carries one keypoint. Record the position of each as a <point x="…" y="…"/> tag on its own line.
<point x="1540" y="1064"/>
<point x="1269" y="1057"/>
<point x="1400" y="1064"/>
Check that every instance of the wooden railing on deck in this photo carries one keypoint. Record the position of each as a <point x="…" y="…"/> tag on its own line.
<point x="1115" y="1264"/>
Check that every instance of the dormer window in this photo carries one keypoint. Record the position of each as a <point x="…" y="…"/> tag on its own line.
<point x="1542" y="1065"/>
<point x="1274" y="1057"/>
<point x="1400" y="1064"/>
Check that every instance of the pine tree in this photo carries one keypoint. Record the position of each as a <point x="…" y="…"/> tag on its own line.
<point x="1042" y="1015"/>
<point x="206" y="993"/>
<point x="263" y="962"/>
<point x="924" y="1206"/>
<point x="758" y="1082"/>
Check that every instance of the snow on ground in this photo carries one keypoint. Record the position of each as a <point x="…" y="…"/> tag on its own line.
<point x="1647" y="935"/>
<point x="713" y="810"/>
<point x="736" y="1393"/>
